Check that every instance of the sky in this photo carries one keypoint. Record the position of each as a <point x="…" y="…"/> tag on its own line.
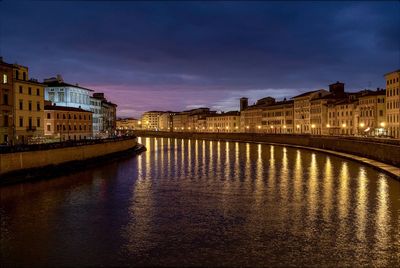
<point x="182" y="55"/>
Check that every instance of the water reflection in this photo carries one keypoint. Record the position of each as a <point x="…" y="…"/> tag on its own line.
<point x="203" y="203"/>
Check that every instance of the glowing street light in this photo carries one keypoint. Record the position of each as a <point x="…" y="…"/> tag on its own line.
<point x="313" y="126"/>
<point x="259" y="127"/>
<point x="298" y="126"/>
<point x="362" y="124"/>
<point x="382" y="124"/>
<point x="328" y="126"/>
<point x="343" y="125"/>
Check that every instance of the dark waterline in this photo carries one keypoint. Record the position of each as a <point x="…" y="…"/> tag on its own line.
<point x="194" y="202"/>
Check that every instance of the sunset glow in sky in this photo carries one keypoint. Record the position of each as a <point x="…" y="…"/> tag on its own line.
<point x="177" y="56"/>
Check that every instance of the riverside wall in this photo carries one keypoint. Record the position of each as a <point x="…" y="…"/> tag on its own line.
<point x="37" y="159"/>
<point x="386" y="151"/>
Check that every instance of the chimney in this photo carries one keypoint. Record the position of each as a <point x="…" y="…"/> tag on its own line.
<point x="244" y="103"/>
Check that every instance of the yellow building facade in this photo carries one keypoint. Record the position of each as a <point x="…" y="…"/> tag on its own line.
<point x="6" y="103"/>
<point x="28" y="106"/>
<point x="278" y="118"/>
<point x="393" y="103"/>
<point x="227" y="122"/>
<point x="372" y="113"/>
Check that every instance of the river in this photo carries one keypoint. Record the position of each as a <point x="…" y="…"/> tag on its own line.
<point x="206" y="203"/>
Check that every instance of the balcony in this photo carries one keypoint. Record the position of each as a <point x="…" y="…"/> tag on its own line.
<point x="30" y="128"/>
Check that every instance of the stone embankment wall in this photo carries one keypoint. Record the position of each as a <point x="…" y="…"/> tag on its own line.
<point x="20" y="161"/>
<point x="386" y="151"/>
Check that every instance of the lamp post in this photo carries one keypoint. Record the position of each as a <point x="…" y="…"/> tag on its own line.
<point x="361" y="127"/>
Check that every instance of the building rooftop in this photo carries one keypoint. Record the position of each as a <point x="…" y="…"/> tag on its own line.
<point x="306" y="93"/>
<point x="63" y="84"/>
<point x="397" y="71"/>
<point x="230" y="113"/>
<point x="64" y="108"/>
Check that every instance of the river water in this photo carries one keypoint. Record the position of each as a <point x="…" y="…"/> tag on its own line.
<point x="206" y="203"/>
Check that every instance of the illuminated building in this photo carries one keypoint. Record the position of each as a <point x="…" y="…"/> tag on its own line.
<point x="127" y="124"/>
<point x="6" y="102"/>
<point x="319" y="124"/>
<point x="393" y="103"/>
<point x="224" y="122"/>
<point x="251" y="116"/>
<point x="372" y="113"/>
<point x="28" y="106"/>
<point x="67" y="123"/>
<point x="165" y="121"/>
<point x="277" y="118"/>
<point x="150" y="120"/>
<point x="302" y="107"/>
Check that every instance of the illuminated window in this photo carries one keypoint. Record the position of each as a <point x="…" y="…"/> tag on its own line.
<point x="4" y="79"/>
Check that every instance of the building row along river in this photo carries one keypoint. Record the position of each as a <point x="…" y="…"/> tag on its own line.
<point x="52" y="110"/>
<point x="318" y="112"/>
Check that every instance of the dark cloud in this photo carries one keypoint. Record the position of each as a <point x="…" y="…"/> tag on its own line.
<point x="223" y="49"/>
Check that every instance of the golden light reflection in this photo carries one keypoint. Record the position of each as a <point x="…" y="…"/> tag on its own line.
<point x="343" y="195"/>
<point x="162" y="166"/>
<point x="148" y="165"/>
<point x="211" y="160"/>
<point x="169" y="163"/>
<point x="138" y="229"/>
<point x="284" y="174"/>
<point x="182" y="169"/>
<point x="382" y="215"/>
<point x="196" y="161"/>
<point x="312" y="188"/>
<point x="272" y="169"/>
<point x="259" y="191"/>
<point x="237" y="161"/>
<point x="218" y="164"/>
<point x="298" y="171"/>
<point x="228" y="169"/>
<point x="189" y="160"/>
<point x="362" y="204"/>
<point x="176" y="155"/>
<point x="327" y="191"/>
<point x="204" y="158"/>
<point x="247" y="168"/>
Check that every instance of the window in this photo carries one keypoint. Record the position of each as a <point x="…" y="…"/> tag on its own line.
<point x="38" y="122"/>
<point x="38" y="106"/>
<point x="63" y="116"/>
<point x="30" y="106"/>
<point x="380" y="113"/>
<point x="58" y="115"/>
<point x="20" y="90"/>
<point x="48" y="115"/>
<point x="61" y="96"/>
<point x="51" y="96"/>
<point x="48" y="128"/>
<point x="37" y="92"/>
<point x="24" y="76"/>
<point x="5" y="99"/>
<point x="29" y="90"/>
<point x="5" y="79"/>
<point x="21" y="121"/>
<point x="17" y="74"/>
<point x="6" y="120"/>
